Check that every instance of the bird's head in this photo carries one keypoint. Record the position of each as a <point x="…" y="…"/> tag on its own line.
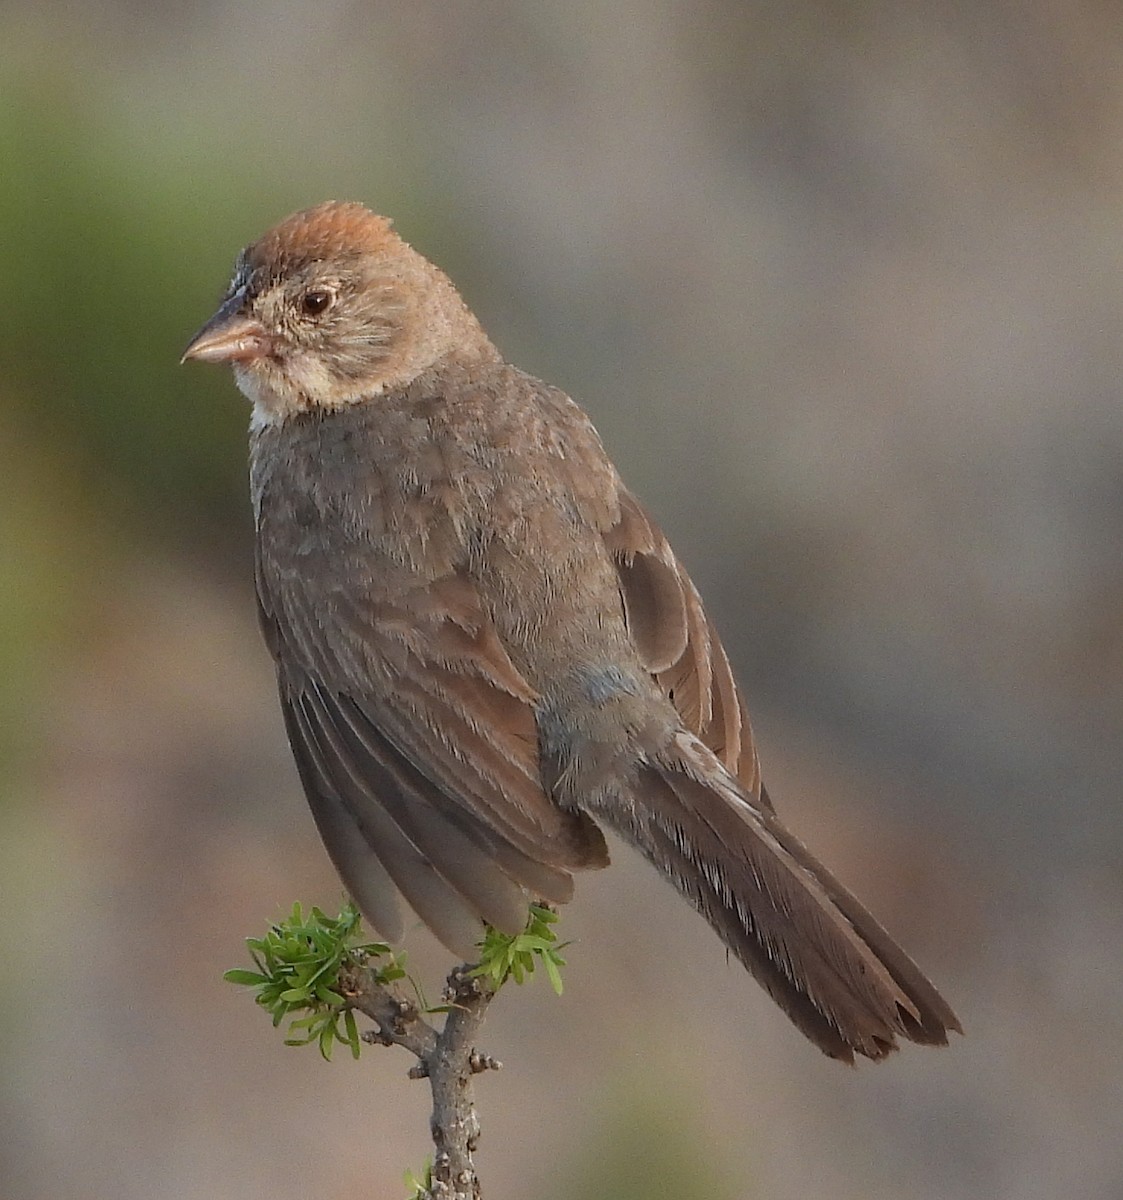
<point x="331" y="307"/>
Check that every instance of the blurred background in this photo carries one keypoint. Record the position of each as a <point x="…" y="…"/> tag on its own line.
<point x="841" y="287"/>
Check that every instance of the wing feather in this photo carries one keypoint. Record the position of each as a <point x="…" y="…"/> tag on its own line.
<point x="416" y="740"/>
<point x="677" y="642"/>
<point x="429" y="894"/>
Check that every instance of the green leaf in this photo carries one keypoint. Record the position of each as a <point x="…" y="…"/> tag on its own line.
<point x="503" y="956"/>
<point x="552" y="971"/>
<point x="352" y="1032"/>
<point x="246" y="978"/>
<point x="423" y="1187"/>
<point x="298" y="963"/>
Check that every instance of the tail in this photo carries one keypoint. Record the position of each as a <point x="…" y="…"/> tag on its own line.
<point x="813" y="947"/>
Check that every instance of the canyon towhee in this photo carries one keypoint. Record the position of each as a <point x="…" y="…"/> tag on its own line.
<point x="485" y="646"/>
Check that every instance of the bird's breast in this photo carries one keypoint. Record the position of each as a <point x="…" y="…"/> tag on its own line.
<point x="334" y="499"/>
<point x="369" y="507"/>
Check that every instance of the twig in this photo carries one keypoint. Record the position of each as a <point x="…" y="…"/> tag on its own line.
<point x="446" y="1057"/>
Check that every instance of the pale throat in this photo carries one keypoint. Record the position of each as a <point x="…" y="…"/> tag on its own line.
<point x="301" y="385"/>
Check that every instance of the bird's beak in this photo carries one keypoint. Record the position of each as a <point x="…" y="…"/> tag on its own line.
<point x="229" y="336"/>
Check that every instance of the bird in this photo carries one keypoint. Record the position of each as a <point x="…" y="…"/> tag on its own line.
<point x="487" y="651"/>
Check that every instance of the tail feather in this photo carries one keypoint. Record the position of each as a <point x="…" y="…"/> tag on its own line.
<point x="931" y="1018"/>
<point x="828" y="964"/>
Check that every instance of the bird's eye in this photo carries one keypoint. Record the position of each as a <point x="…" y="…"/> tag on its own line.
<point x="316" y="301"/>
